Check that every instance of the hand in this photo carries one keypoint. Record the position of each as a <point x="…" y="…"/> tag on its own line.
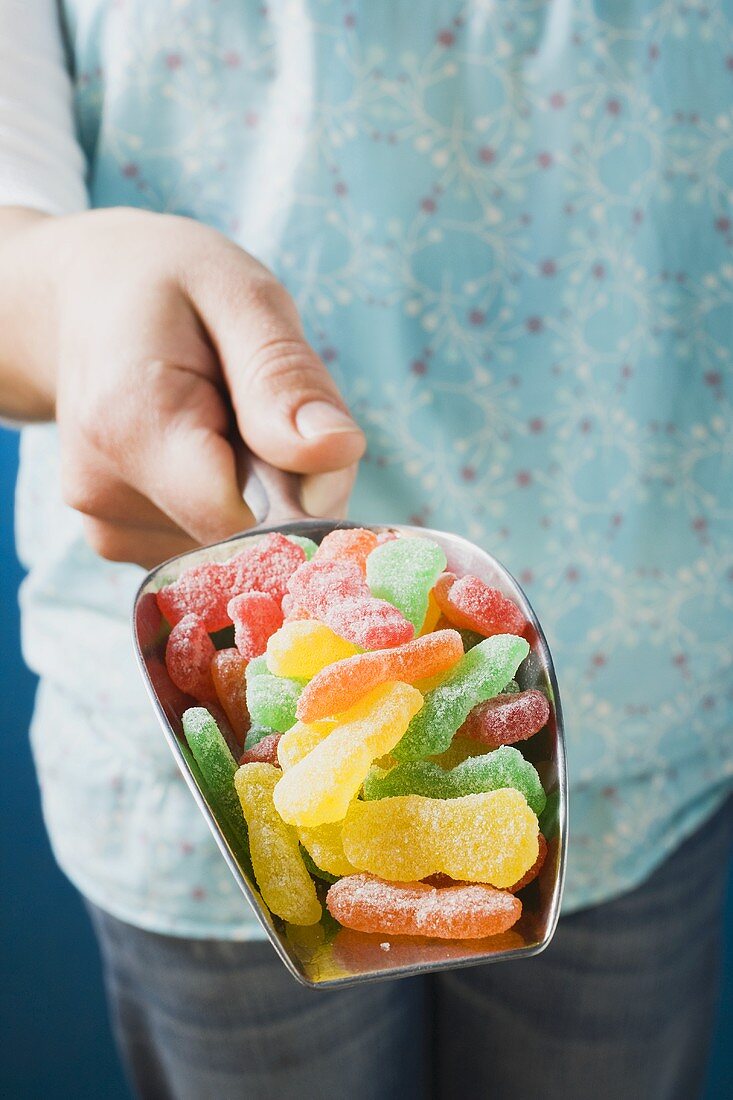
<point x="159" y="342"/>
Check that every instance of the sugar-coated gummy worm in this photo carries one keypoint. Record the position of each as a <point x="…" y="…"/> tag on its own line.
<point x="507" y="719"/>
<point x="403" y="572"/>
<point x="472" y="604"/>
<point x="340" y="685"/>
<point x="318" y="789"/>
<point x="189" y="652"/>
<point x="489" y="837"/>
<point x="466" y="911"/>
<point x="505" y="767"/>
<point x="479" y="675"/>
<point x="284" y="882"/>
<point x="228" y="668"/>
<point x="211" y="753"/>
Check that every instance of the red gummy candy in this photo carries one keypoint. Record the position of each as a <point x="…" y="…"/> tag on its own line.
<point x="256" y="616"/>
<point x="506" y="719"/>
<point x="203" y="591"/>
<point x="336" y="593"/>
<point x="264" y="752"/>
<point x="472" y="604"/>
<point x="188" y="655"/>
<point x="532" y="873"/>
<point x="266" y="567"/>
<point x="228" y="667"/>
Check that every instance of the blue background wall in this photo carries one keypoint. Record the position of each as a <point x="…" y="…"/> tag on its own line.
<point x="57" y="1040"/>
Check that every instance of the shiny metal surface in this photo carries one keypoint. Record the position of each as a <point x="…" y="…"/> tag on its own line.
<point x="327" y="955"/>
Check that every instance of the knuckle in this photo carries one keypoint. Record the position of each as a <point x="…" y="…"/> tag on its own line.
<point x="285" y="366"/>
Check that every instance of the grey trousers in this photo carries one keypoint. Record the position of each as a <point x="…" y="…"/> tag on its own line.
<point x="621" y="1005"/>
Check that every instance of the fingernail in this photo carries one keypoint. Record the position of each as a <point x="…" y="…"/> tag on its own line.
<point x="321" y="418"/>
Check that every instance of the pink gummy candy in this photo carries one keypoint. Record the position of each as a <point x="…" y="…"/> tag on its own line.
<point x="336" y="593"/>
<point x="205" y="590"/>
<point x="506" y="719"/>
<point x="256" y="616"/>
<point x="267" y="566"/>
<point x="188" y="655"/>
<point x="472" y="604"/>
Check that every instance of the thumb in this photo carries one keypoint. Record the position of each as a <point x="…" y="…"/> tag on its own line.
<point x="288" y="408"/>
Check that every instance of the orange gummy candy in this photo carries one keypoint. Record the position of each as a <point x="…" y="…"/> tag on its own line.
<point x="340" y="685"/>
<point x="354" y="543"/>
<point x="471" y="604"/>
<point x="466" y="911"/>
<point x="227" y="671"/>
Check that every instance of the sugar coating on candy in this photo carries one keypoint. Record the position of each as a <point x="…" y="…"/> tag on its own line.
<point x="403" y="572"/>
<point x="188" y="655"/>
<point x="300" y="740"/>
<point x="286" y="887"/>
<point x="256" y="615"/>
<point x="271" y="700"/>
<point x="303" y="648"/>
<point x="228" y="674"/>
<point x="470" y="911"/>
<point x="472" y="604"/>
<point x="336" y="593"/>
<point x="460" y="749"/>
<point x="353" y="544"/>
<point x="507" y="718"/>
<point x="535" y="869"/>
<point x="267" y="566"/>
<point x="314" y="869"/>
<point x="505" y="767"/>
<point x="204" y="590"/>
<point x="216" y="763"/>
<point x="370" y="623"/>
<point x="308" y="546"/>
<point x="325" y="846"/>
<point x="318" y="789"/>
<point x="265" y="751"/>
<point x="489" y="837"/>
<point x="338" y="686"/>
<point x="480" y="674"/>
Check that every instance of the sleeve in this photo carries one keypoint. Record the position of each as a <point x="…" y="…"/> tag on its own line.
<point x="41" y="163"/>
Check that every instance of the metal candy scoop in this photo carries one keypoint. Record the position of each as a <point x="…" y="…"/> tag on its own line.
<point x="327" y="955"/>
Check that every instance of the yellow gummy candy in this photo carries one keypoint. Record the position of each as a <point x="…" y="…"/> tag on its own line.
<point x="489" y="837"/>
<point x="318" y="789"/>
<point x="301" y="739"/>
<point x="304" y="647"/>
<point x="325" y="845"/>
<point x="284" y="882"/>
<point x="431" y="616"/>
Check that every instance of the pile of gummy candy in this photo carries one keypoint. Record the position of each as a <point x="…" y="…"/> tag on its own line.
<point x="370" y="700"/>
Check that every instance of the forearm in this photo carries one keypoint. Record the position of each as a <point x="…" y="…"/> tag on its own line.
<point x="26" y="316"/>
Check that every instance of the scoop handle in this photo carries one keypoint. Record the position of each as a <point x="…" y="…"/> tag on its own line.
<point x="272" y="495"/>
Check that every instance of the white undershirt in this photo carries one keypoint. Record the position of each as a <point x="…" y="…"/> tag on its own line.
<point x="41" y="163"/>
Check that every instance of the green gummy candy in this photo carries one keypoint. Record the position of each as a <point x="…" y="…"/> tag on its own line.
<point x="512" y="688"/>
<point x="256" y="667"/>
<point x="271" y="700"/>
<point x="505" y="767"/>
<point x="257" y="734"/>
<point x="306" y="544"/>
<point x="479" y="675"/>
<point x="403" y="571"/>
<point x="211" y="753"/>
